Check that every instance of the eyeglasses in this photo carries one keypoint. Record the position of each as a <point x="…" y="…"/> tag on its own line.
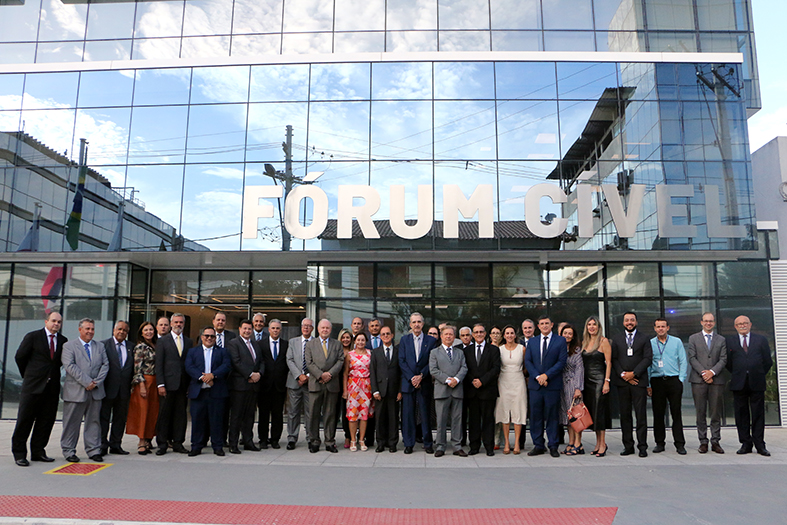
<point x="209" y="336"/>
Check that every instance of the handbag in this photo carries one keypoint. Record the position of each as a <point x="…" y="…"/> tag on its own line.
<point x="579" y="416"/>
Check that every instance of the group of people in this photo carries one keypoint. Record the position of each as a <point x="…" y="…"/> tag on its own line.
<point x="471" y="380"/>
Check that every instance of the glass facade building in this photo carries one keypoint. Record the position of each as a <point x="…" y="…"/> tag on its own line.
<point x="471" y="159"/>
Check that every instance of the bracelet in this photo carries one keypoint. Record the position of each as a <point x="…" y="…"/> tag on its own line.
<point x="606" y="379"/>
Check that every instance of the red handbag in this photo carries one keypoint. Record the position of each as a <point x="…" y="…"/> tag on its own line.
<point x="579" y="416"/>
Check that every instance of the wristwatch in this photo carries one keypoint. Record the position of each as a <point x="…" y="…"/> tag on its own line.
<point x="606" y="379"/>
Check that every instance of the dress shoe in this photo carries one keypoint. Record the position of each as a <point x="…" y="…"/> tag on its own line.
<point x="627" y="452"/>
<point x="658" y="449"/>
<point x="429" y="450"/>
<point x="490" y="452"/>
<point x="252" y="447"/>
<point x="380" y="448"/>
<point x="43" y="457"/>
<point x="643" y="453"/>
<point x="439" y="453"/>
<point x="218" y="451"/>
<point x="22" y="462"/>
<point x="392" y="449"/>
<point x="314" y="449"/>
<point x="554" y="453"/>
<point x="195" y="452"/>
<point x="332" y="449"/>
<point x="681" y="450"/>
<point x="290" y="445"/>
<point x="744" y="450"/>
<point x="117" y="450"/>
<point x="473" y="452"/>
<point x="72" y="459"/>
<point x="537" y="451"/>
<point x="275" y="445"/>
<point x="161" y="451"/>
<point x="703" y="448"/>
<point x="179" y="448"/>
<point x="98" y="458"/>
<point x="263" y="445"/>
<point x="764" y="452"/>
<point x="408" y="450"/>
<point x="234" y="450"/>
<point x="461" y="453"/>
<point x="717" y="448"/>
<point x="104" y="451"/>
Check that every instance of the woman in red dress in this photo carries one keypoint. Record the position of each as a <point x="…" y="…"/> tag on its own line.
<point x="358" y="389"/>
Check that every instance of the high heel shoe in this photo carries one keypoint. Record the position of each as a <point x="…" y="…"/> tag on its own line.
<point x="580" y="450"/>
<point x="506" y="451"/>
<point x="600" y="454"/>
<point x="517" y="451"/>
<point x="353" y="446"/>
<point x="364" y="448"/>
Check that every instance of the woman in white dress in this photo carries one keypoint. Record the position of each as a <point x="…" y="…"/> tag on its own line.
<point x="512" y="404"/>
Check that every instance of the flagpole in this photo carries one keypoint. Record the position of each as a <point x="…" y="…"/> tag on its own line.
<point x="74" y="220"/>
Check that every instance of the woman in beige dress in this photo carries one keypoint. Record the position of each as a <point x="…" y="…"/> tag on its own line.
<point x="512" y="404"/>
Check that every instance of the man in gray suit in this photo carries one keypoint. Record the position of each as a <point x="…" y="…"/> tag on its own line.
<point x="117" y="386"/>
<point x="86" y="366"/>
<point x="707" y="352"/>
<point x="448" y="368"/>
<point x="298" y="384"/>
<point x="324" y="361"/>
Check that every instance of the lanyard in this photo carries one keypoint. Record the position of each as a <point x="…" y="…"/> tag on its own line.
<point x="661" y="348"/>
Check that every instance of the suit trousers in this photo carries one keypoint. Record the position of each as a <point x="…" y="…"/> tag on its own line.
<point x="322" y="406"/>
<point x="36" y="414"/>
<point x="207" y="419"/>
<point x="271" y="405"/>
<point x="299" y="403"/>
<point x="708" y="398"/>
<point x="114" y="413"/>
<point x="409" y="400"/>
<point x="386" y="412"/>
<point x="544" y="413"/>
<point x="448" y="408"/>
<point x="667" y="390"/>
<point x="630" y="396"/>
<point x="172" y="418"/>
<point x="481" y="422"/>
<point x="72" y="422"/>
<point x="243" y="406"/>
<point x="750" y="416"/>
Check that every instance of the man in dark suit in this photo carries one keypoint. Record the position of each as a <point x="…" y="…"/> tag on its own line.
<point x="324" y="362"/>
<point x="545" y="360"/>
<point x="222" y="336"/>
<point x="707" y="353"/>
<point x="117" y="387"/>
<point x="259" y="327"/>
<point x="632" y="354"/>
<point x="749" y="359"/>
<point x="208" y="366"/>
<point x="414" y="351"/>
<point x="247" y="367"/>
<point x="273" y="391"/>
<point x="173" y="383"/>
<point x="38" y="358"/>
<point x="385" y="377"/>
<point x="480" y="389"/>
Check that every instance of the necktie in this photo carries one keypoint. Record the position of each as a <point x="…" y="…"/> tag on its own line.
<point x="303" y="353"/>
<point x="417" y="342"/>
<point x="544" y="347"/>
<point x="629" y="339"/>
<point x="388" y="354"/>
<point x="707" y="339"/>
<point x="477" y="353"/>
<point x="450" y="355"/>
<point x="52" y="346"/>
<point x="179" y="344"/>
<point x="259" y="336"/>
<point x="275" y="350"/>
<point x="220" y="339"/>
<point x="746" y="343"/>
<point x="87" y="349"/>
<point x="325" y="348"/>
<point x="120" y="355"/>
<point x="251" y="350"/>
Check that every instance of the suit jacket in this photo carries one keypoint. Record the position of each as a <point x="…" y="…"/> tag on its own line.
<point x="170" y="367"/>
<point x="295" y="361"/>
<point x="386" y="377"/>
<point x="81" y="371"/>
<point x="638" y="362"/>
<point x="317" y="363"/>
<point x="118" y="381"/>
<point x="407" y="362"/>
<point x="276" y="372"/>
<point x="755" y="363"/>
<point x="551" y="363"/>
<point x="487" y="371"/>
<point x="369" y="341"/>
<point x="228" y="336"/>
<point x="35" y="365"/>
<point x="700" y="358"/>
<point x="220" y="367"/>
<point x="441" y="368"/>
<point x="243" y="365"/>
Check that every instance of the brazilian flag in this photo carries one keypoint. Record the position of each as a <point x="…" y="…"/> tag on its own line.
<point x="72" y="226"/>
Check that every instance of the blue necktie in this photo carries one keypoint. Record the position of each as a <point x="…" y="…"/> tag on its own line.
<point x="708" y="338"/>
<point x="450" y="355"/>
<point x="275" y="350"/>
<point x="87" y="349"/>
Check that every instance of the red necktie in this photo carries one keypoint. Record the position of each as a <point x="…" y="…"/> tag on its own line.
<point x="745" y="343"/>
<point x="52" y="346"/>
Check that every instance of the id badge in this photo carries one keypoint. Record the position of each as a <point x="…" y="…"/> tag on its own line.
<point x="661" y="364"/>
<point x="630" y="352"/>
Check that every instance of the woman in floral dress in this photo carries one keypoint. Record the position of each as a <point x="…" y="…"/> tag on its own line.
<point x="358" y="389"/>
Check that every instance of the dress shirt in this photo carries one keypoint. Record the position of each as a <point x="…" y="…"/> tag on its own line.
<point x="672" y="354"/>
<point x="542" y="345"/>
<point x="121" y="352"/>
<point x="744" y="338"/>
<point x="375" y="341"/>
<point x="479" y="350"/>
<point x="207" y="352"/>
<point x="417" y="344"/>
<point x="278" y="347"/>
<point x="220" y="339"/>
<point x="86" y="346"/>
<point x="630" y="337"/>
<point x="250" y="346"/>
<point x="257" y="335"/>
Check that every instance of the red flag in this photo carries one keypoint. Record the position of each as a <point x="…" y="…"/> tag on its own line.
<point x="53" y="285"/>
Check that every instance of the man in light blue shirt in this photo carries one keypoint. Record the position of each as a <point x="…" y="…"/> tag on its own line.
<point x="666" y="374"/>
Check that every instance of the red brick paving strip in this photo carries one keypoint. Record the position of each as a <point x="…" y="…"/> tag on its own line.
<point x="112" y="509"/>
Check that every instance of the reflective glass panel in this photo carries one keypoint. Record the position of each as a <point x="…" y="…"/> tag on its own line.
<point x="162" y="86"/>
<point x="110" y="20"/>
<point x="217" y="133"/>
<point x="107" y="50"/>
<point x="205" y="46"/>
<point x="255" y="16"/>
<point x="412" y="14"/>
<point x="5" y="278"/>
<point x="464" y="80"/>
<point x="674" y="14"/>
<point x="461" y="280"/>
<point x="585" y="80"/>
<point x="156" y="48"/>
<point x="139" y="283"/>
<point x="100" y="310"/>
<point x="464" y="130"/>
<point x="401" y="130"/>
<point x="574" y="312"/>
<point x="158" y="134"/>
<point x="279" y="83"/>
<point x="341" y="313"/>
<point x="339" y="82"/>
<point x="568" y="14"/>
<point x="719" y="15"/>
<point x="525" y="281"/>
<point x="575" y="281"/>
<point x="464" y="41"/>
<point x="251" y="45"/>
<point x="170" y="286"/>
<point x="50" y="90"/>
<point x="525" y="80"/>
<point x="463" y="14"/>
<point x="19" y="23"/>
<point x="366" y="42"/>
<point x="350" y="140"/>
<point x="517" y="41"/>
<point x="220" y="84"/>
<point x="401" y="80"/>
<point x="396" y="314"/>
<point x="515" y="14"/>
<point x="287" y="286"/>
<point x="307" y="43"/>
<point x="267" y="130"/>
<point x="527" y="129"/>
<point x="207" y="17"/>
<point x="32" y="280"/>
<point x="51" y="52"/>
<point x="346" y="281"/>
<point x="224" y="287"/>
<point x="647" y="312"/>
<point x="684" y="316"/>
<point x="105" y="88"/>
<point x="96" y="280"/>
<point x="159" y="189"/>
<point x="410" y="41"/>
<point x="354" y="15"/>
<point x="688" y="280"/>
<point x="459" y="314"/>
<point x="54" y="128"/>
<point x="159" y="19"/>
<point x="632" y="280"/>
<point x="17" y="53"/>
<point x="744" y="278"/>
<point x="214" y="193"/>
<point x="569" y="41"/>
<point x="61" y="21"/>
<point x="404" y="281"/>
<point x="308" y="15"/>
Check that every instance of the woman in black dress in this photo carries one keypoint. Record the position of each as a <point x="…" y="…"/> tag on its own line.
<point x="597" y="358"/>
